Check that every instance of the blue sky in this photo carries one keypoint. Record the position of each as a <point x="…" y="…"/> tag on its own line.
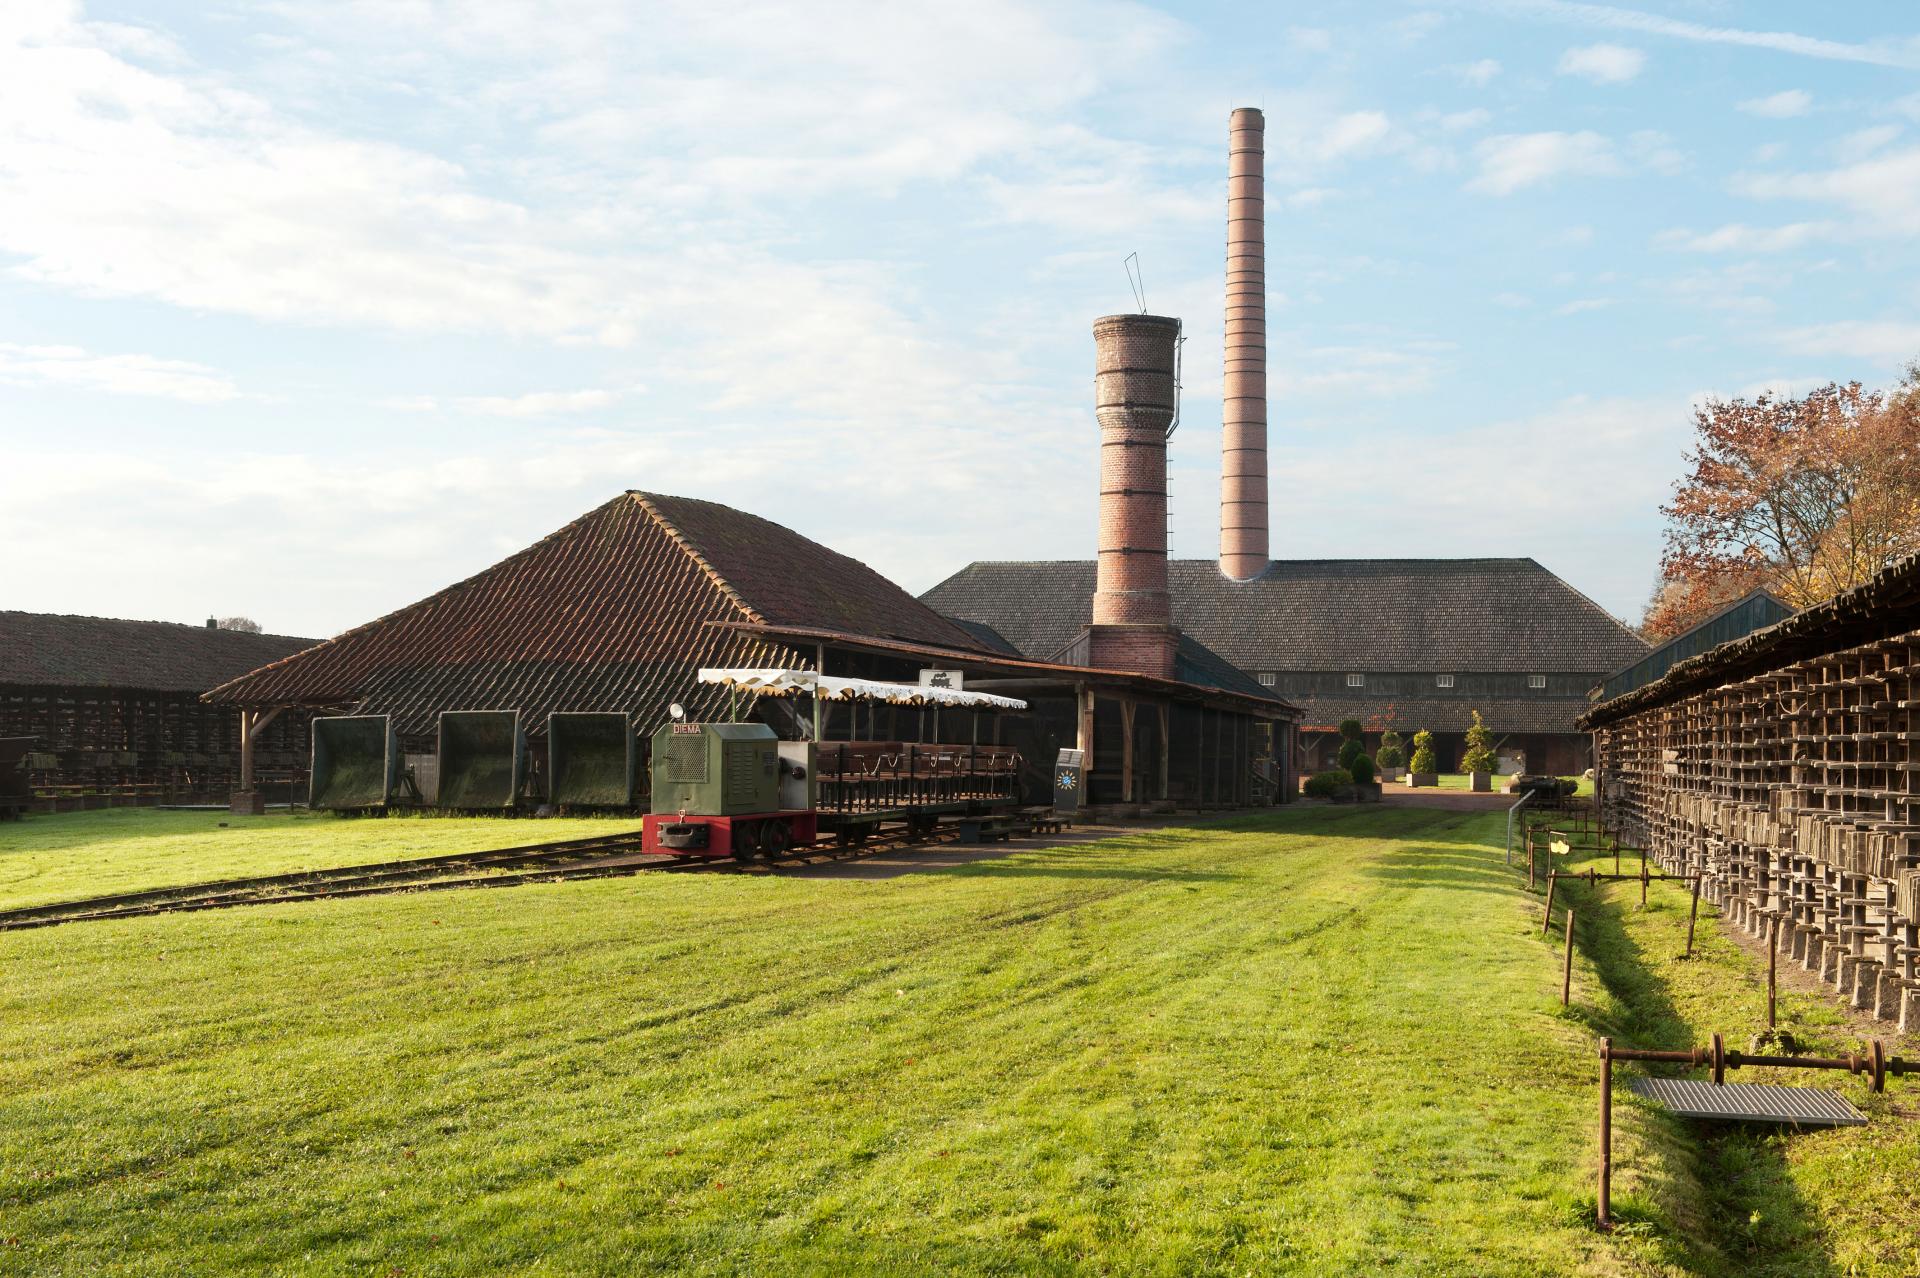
<point x="308" y="309"/>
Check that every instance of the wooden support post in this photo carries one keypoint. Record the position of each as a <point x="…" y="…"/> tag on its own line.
<point x="1566" y="972"/>
<point x="246" y="751"/>
<point x="1529" y="859"/>
<point x="1643" y="878"/>
<point x="1166" y="752"/>
<point x="1126" y="750"/>
<point x="1693" y="914"/>
<point x="1546" y="919"/>
<point x="1605" y="1212"/>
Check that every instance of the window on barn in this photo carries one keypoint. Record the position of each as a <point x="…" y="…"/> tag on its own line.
<point x="1356" y="681"/>
<point x="1536" y="681"/>
<point x="1268" y="678"/>
<point x="1443" y="681"/>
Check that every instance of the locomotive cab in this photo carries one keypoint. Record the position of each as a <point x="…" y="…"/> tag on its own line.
<point x="728" y="789"/>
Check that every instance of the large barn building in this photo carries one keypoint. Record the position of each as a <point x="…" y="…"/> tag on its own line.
<point x="620" y="609"/>
<point x="111" y="710"/>
<point x="1399" y="644"/>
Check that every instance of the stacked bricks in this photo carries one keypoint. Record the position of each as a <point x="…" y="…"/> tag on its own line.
<point x="1134" y="400"/>
<point x="1243" y="442"/>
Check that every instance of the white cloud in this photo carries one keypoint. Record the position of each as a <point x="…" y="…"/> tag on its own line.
<point x="1737" y="237"/>
<point x="70" y="366"/>
<point x="1583" y="305"/>
<point x="1512" y="301"/>
<point x="1310" y="39"/>
<point x="1458" y="121"/>
<point x="1783" y="105"/>
<point x="1512" y="162"/>
<point x="1883" y="191"/>
<point x="1478" y="74"/>
<point x="1603" y="63"/>
<point x="532" y="404"/>
<point x="1862" y="143"/>
<point x="1878" y="341"/>
<point x="1346" y="371"/>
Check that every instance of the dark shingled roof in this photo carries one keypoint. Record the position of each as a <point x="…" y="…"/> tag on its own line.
<point x="610" y="612"/>
<point x="1450" y="615"/>
<point x="51" y="650"/>
<point x="1882" y="607"/>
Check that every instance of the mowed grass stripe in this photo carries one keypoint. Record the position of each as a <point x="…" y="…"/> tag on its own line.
<point x="1316" y="1041"/>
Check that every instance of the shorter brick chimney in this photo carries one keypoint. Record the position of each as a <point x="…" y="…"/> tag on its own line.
<point x="1135" y="399"/>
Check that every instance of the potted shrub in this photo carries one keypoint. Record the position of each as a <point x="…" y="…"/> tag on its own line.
<point x="1479" y="761"/>
<point x="1363" y="783"/>
<point x="1336" y="786"/>
<point x="1391" y="757"/>
<point x="1425" y="764"/>
<point x="1351" y="745"/>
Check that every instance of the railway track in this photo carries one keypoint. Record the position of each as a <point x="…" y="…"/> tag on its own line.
<point x="604" y="857"/>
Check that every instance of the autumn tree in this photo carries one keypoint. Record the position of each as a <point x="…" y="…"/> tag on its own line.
<point x="1805" y="496"/>
<point x="247" y="624"/>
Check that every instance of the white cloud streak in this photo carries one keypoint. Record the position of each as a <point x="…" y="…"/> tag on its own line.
<point x="1903" y="54"/>
<point x="1784" y="105"/>
<point x="147" y="375"/>
<point x="1512" y="162"/>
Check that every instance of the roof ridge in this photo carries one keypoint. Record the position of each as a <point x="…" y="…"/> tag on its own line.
<point x="686" y="543"/>
<point x="196" y="627"/>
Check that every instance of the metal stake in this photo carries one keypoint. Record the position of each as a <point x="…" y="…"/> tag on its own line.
<point x="1773" y="962"/>
<point x="1606" y="1134"/>
<point x="1693" y="913"/>
<point x="1566" y="973"/>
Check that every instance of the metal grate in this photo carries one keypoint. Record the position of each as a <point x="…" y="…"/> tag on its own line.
<point x="686" y="762"/>
<point x="1750" y="1102"/>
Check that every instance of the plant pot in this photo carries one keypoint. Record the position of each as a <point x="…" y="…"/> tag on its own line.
<point x="1482" y="781"/>
<point x="1423" y="778"/>
<point x="1390" y="774"/>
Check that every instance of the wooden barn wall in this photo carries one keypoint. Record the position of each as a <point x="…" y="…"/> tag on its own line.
<point x="98" y="747"/>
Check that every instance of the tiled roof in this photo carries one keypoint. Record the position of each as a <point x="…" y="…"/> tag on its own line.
<point x="608" y="613"/>
<point x="790" y="580"/>
<point x="1453" y="615"/>
<point x="1885" y="605"/>
<point x="1518" y="716"/>
<point x="1194" y="662"/>
<point x="50" y="650"/>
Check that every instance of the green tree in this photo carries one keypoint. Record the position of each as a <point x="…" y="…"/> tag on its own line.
<point x="1390" y="754"/>
<point x="1479" y="756"/>
<point x="1424" y="760"/>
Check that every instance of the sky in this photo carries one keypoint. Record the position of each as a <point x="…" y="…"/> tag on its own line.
<point x="309" y="309"/>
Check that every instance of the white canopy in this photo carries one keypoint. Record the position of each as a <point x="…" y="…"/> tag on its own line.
<point x="787" y="683"/>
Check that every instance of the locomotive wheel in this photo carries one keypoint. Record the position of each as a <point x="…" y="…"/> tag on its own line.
<point x="774" y="840"/>
<point x="746" y="841"/>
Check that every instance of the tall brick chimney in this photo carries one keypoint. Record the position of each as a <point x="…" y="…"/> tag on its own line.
<point x="1243" y="444"/>
<point x="1135" y="392"/>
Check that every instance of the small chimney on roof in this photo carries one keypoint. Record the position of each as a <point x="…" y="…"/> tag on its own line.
<point x="1135" y="399"/>
<point x="213" y="623"/>
<point x="1243" y="444"/>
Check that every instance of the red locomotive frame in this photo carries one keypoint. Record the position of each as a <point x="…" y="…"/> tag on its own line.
<point x="745" y="836"/>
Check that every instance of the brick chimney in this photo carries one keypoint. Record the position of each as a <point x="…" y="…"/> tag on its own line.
<point x="1243" y="444"/>
<point x="1135" y="398"/>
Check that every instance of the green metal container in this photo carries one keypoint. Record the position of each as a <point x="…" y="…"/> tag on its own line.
<point x="715" y="769"/>
<point x="355" y="763"/>
<point x="590" y="759"/>
<point x="482" y="759"/>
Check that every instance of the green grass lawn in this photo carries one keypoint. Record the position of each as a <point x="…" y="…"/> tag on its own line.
<point x="1321" y="1041"/>
<point x="79" y="854"/>
<point x="1838" y="1202"/>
